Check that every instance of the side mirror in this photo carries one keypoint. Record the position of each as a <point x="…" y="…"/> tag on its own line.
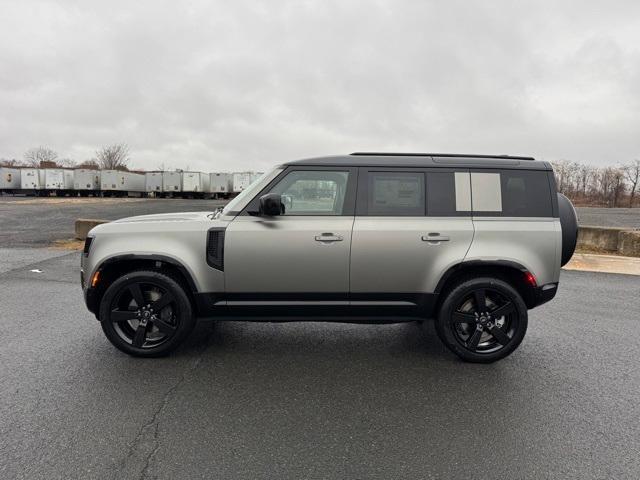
<point x="271" y="205"/>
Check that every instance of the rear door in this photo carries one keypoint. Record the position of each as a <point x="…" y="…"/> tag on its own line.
<point x="411" y="225"/>
<point x="301" y="256"/>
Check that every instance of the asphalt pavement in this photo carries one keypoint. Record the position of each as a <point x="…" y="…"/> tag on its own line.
<point x="313" y="400"/>
<point x="38" y="222"/>
<point x="609" y="217"/>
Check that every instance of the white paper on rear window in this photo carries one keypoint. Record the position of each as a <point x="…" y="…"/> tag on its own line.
<point x="486" y="192"/>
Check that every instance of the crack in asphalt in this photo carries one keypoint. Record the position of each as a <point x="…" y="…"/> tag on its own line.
<point x="146" y="444"/>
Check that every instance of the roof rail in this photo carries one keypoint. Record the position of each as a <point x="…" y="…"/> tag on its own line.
<point x="453" y="155"/>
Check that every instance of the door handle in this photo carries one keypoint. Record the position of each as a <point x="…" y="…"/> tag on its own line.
<point x="328" y="237"/>
<point x="435" y="237"/>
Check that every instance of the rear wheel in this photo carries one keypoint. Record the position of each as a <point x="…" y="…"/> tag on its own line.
<point x="482" y="320"/>
<point x="146" y="314"/>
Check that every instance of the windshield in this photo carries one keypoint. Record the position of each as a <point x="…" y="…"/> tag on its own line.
<point x="239" y="202"/>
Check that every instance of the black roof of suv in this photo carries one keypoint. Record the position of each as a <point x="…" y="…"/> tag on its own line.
<point x="379" y="159"/>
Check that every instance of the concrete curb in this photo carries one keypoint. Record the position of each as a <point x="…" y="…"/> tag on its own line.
<point x="587" y="262"/>
<point x="610" y="239"/>
<point x="83" y="225"/>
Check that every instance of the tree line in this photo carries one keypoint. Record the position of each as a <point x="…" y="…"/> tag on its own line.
<point x="598" y="186"/>
<point x="110" y="157"/>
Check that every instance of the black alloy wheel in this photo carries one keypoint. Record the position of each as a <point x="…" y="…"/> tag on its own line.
<point x="482" y="320"/>
<point x="146" y="313"/>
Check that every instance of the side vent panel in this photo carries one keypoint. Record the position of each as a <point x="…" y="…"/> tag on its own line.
<point x="215" y="248"/>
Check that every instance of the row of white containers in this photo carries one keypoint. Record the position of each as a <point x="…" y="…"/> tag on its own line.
<point x="116" y="180"/>
<point x="198" y="182"/>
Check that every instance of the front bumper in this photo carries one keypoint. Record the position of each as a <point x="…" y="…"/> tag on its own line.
<point x="89" y="293"/>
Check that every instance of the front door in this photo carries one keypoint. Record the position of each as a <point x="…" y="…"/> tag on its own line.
<point x="302" y="256"/>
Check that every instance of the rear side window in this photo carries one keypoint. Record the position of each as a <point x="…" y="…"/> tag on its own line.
<point x="511" y="193"/>
<point x="448" y="194"/>
<point x="396" y="194"/>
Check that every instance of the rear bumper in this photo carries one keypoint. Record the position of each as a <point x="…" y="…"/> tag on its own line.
<point x="544" y="293"/>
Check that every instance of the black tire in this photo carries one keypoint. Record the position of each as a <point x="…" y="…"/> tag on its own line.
<point x="133" y="325"/>
<point x="482" y="338"/>
<point x="569" y="225"/>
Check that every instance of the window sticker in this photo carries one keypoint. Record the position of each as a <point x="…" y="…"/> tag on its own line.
<point x="463" y="192"/>
<point x="487" y="192"/>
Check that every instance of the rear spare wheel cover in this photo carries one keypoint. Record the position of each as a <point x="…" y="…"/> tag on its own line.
<point x="569" y="224"/>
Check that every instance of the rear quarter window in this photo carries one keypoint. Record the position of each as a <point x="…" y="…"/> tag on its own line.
<point x="522" y="193"/>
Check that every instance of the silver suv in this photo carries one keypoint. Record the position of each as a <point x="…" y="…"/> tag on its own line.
<point x="471" y="241"/>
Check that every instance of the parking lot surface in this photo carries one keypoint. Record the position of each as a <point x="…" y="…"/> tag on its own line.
<point x="311" y="400"/>
<point x="609" y="217"/>
<point x="37" y="222"/>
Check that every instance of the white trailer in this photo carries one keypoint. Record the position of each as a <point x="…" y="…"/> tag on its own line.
<point x="86" y="181"/>
<point x="9" y="180"/>
<point x="32" y="180"/>
<point x="68" y="182"/>
<point x="53" y="179"/>
<point x="153" y="182"/>
<point x="220" y="184"/>
<point x="195" y="184"/>
<point x="121" y="184"/>
<point x="241" y="180"/>
<point x="171" y="183"/>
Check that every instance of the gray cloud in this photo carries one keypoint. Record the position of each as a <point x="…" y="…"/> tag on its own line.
<point x="246" y="84"/>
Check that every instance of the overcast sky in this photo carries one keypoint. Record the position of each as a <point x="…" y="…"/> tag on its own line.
<point x="235" y="85"/>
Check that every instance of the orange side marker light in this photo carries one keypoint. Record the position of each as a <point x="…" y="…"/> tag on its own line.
<point x="95" y="279"/>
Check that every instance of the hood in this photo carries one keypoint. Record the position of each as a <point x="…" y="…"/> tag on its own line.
<point x="168" y="217"/>
<point x="160" y="223"/>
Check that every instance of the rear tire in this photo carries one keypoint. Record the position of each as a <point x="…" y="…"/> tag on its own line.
<point x="146" y="314"/>
<point x="482" y="320"/>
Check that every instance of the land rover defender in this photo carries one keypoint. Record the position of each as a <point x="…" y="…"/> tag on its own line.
<point x="470" y="241"/>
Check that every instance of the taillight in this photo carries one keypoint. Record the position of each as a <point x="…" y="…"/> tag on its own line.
<point x="530" y="279"/>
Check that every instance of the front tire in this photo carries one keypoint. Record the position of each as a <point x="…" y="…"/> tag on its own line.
<point x="482" y="320"/>
<point x="146" y="314"/>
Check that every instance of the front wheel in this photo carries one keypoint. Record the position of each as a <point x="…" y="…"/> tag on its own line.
<point x="146" y="314"/>
<point x="482" y="320"/>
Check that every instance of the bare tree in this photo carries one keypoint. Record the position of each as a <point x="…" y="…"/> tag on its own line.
<point x="632" y="174"/>
<point x="584" y="175"/>
<point x="114" y="157"/>
<point x="5" y="162"/>
<point x="66" y="163"/>
<point x="40" y="156"/>
<point x="617" y="186"/>
<point x="91" y="164"/>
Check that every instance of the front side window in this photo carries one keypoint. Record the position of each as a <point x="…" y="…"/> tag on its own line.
<point x="311" y="192"/>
